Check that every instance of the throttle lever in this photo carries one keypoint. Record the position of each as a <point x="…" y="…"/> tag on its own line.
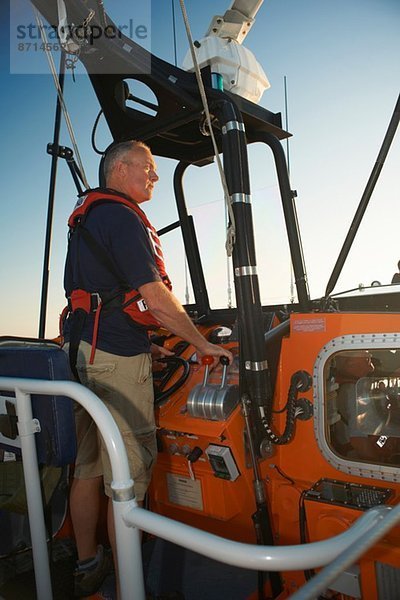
<point x="224" y="360"/>
<point x="207" y="361"/>
<point x="211" y="401"/>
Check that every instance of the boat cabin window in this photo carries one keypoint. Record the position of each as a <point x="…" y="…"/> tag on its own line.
<point x="205" y="204"/>
<point x="362" y="405"/>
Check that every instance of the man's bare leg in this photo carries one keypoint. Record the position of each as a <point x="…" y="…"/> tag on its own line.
<point x="85" y="511"/>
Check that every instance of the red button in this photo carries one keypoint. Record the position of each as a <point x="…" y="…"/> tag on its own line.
<point x="207" y="360"/>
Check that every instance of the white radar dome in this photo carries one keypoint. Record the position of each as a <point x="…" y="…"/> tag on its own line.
<point x="241" y="73"/>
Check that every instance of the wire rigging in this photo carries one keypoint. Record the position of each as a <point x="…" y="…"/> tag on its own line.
<point x="187" y="295"/>
<point x="68" y="122"/>
<point x="174" y="31"/>
<point x="228" y="269"/>
<point x="231" y="233"/>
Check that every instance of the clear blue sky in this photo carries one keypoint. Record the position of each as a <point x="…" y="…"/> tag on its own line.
<point x="341" y="60"/>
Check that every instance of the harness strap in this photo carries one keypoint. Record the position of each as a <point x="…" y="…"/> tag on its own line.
<point x="78" y="322"/>
<point x="95" y="332"/>
<point x="81" y="302"/>
<point x="61" y="322"/>
<point x="130" y="301"/>
<point x="101" y="255"/>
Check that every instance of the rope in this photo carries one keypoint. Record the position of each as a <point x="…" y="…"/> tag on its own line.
<point x="52" y="66"/>
<point x="231" y="231"/>
<point x="228" y="271"/>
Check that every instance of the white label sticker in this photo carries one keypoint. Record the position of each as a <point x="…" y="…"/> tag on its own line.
<point x="309" y="325"/>
<point x="9" y="456"/>
<point x="382" y="441"/>
<point x="184" y="491"/>
<point x="142" y="306"/>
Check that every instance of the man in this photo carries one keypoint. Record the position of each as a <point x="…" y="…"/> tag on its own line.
<point x="396" y="276"/>
<point x="116" y="284"/>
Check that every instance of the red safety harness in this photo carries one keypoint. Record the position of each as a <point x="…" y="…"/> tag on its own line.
<point x="82" y="302"/>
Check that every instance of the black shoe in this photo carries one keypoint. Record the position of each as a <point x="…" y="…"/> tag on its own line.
<point x="88" y="581"/>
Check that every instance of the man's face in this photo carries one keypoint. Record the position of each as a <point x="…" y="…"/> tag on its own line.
<point x="140" y="175"/>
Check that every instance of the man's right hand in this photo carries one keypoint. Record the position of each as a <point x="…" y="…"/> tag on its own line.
<point x="209" y="349"/>
<point x="167" y="309"/>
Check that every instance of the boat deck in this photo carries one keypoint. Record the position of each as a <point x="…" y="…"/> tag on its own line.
<point x="171" y="573"/>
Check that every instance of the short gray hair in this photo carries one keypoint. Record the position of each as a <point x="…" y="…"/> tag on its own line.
<point x="117" y="153"/>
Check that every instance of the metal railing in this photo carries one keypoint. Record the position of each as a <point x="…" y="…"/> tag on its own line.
<point x="130" y="518"/>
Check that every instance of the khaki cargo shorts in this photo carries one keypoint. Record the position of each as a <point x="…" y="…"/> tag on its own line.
<point x="125" y="385"/>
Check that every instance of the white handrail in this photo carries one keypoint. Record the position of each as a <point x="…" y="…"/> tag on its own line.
<point x="26" y="429"/>
<point x="129" y="558"/>
<point x="320" y="582"/>
<point x="129" y="517"/>
<point x="250" y="556"/>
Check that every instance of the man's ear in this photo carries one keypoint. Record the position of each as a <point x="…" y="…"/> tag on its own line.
<point x="121" y="168"/>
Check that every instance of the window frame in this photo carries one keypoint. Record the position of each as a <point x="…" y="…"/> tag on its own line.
<point x="372" y="342"/>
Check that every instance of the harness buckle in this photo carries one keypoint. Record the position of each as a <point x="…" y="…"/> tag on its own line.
<point x="95" y="301"/>
<point x="88" y="302"/>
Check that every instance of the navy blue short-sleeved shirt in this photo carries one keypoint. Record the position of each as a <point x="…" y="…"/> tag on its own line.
<point x="123" y="235"/>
